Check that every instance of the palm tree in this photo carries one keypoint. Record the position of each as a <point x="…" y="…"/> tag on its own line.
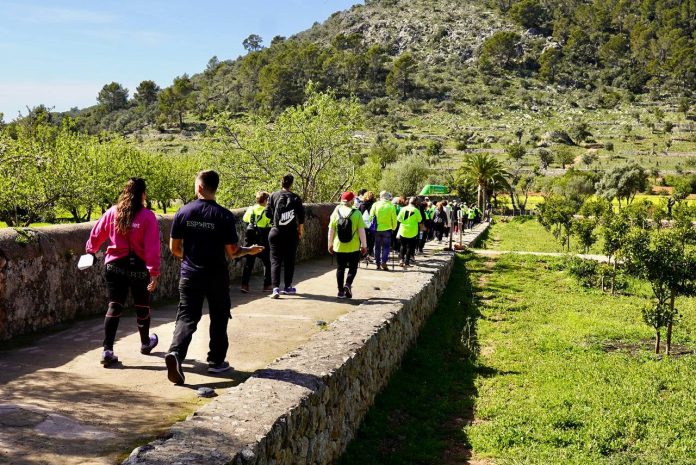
<point x="486" y="172"/>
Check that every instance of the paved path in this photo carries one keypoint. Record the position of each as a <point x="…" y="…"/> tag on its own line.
<point x="59" y="406"/>
<point x="495" y="253"/>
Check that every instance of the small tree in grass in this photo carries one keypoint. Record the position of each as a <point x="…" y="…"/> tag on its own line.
<point x="556" y="215"/>
<point x="666" y="258"/>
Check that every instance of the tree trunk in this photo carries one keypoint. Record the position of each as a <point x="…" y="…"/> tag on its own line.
<point x="670" y="322"/>
<point x="657" y="341"/>
<point x="613" y="278"/>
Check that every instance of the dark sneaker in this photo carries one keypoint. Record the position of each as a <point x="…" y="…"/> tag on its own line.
<point x="108" y="358"/>
<point x="174" y="372"/>
<point x="385" y="267"/>
<point x="341" y="294"/>
<point x="244" y="288"/>
<point x="145" y="349"/>
<point x="218" y="367"/>
<point x="348" y="292"/>
<point x="276" y="293"/>
<point x="289" y="291"/>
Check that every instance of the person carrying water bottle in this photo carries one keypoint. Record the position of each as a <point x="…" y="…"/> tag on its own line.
<point x="348" y="242"/>
<point x="132" y="263"/>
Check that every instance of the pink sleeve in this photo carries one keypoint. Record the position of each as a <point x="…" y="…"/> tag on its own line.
<point x="152" y="245"/>
<point x="99" y="233"/>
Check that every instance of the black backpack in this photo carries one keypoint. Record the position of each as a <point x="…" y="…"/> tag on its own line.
<point x="252" y="230"/>
<point x="344" y="226"/>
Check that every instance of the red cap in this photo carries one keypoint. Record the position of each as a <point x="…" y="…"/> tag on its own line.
<point x="347" y="196"/>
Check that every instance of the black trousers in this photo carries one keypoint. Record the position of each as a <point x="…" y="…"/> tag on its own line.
<point x="439" y="230"/>
<point x="122" y="276"/>
<point x="408" y="248"/>
<point x="370" y="236"/>
<point x="192" y="291"/>
<point x="344" y="260"/>
<point x="283" y="245"/>
<point x="264" y="256"/>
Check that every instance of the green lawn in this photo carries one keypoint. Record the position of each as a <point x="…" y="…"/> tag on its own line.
<point x="558" y="393"/>
<point x="525" y="233"/>
<point x="564" y="375"/>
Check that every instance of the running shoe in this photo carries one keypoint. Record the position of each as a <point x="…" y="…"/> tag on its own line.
<point x="289" y="291"/>
<point x="348" y="292"/>
<point x="218" y="367"/>
<point x="385" y="267"/>
<point x="108" y="358"/>
<point x="244" y="288"/>
<point x="145" y="349"/>
<point x="341" y="294"/>
<point x="276" y="293"/>
<point x="175" y="374"/>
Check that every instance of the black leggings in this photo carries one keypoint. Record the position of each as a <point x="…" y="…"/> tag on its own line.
<point x="283" y="245"/>
<point x="345" y="260"/>
<point x="439" y="230"/>
<point x="408" y="248"/>
<point x="265" y="257"/>
<point x="121" y="276"/>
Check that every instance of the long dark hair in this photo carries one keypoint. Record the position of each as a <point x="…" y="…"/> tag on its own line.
<point x="130" y="202"/>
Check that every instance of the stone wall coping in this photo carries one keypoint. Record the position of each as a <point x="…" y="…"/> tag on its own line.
<point x="307" y="405"/>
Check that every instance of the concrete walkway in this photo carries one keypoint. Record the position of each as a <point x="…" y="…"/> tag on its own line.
<point x="60" y="406"/>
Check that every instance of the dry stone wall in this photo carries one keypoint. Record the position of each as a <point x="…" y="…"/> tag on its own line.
<point x="40" y="285"/>
<point x="306" y="406"/>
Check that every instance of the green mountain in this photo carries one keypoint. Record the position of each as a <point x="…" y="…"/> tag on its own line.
<point x="520" y="53"/>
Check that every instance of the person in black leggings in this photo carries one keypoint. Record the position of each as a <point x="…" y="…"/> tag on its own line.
<point x="287" y="215"/>
<point x="132" y="263"/>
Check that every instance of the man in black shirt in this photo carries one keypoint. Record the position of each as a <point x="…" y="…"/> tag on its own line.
<point x="202" y="234"/>
<point x="288" y="216"/>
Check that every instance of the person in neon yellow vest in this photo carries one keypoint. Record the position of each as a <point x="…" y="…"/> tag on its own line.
<point x="410" y="219"/>
<point x="384" y="212"/>
<point x="348" y="241"/>
<point x="259" y="225"/>
<point x="471" y="214"/>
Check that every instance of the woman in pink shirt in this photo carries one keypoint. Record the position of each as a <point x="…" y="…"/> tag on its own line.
<point x="132" y="262"/>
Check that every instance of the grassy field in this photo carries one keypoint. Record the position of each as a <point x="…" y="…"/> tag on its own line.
<point x="574" y="379"/>
<point x="525" y="233"/>
<point x="563" y="375"/>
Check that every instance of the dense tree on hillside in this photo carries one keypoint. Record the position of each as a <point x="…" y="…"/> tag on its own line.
<point x="253" y="43"/>
<point x="499" y="51"/>
<point x="529" y="13"/>
<point x="174" y="101"/>
<point x="400" y="80"/>
<point x="146" y="93"/>
<point x="113" y="97"/>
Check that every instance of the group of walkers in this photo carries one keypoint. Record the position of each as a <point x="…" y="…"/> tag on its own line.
<point x="204" y="235"/>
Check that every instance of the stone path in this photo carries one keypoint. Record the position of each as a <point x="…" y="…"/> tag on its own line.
<point x="60" y="406"/>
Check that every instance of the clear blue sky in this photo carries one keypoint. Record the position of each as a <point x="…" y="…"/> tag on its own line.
<point x="61" y="52"/>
